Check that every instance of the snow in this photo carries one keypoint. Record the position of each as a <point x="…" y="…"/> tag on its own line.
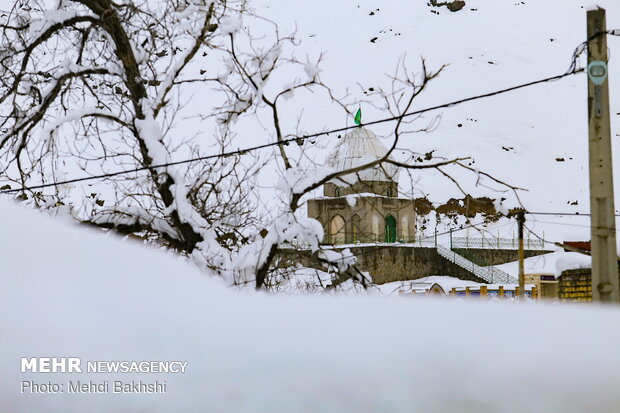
<point x="311" y="69"/>
<point x="230" y="24"/>
<point x="553" y="263"/>
<point x="535" y="125"/>
<point x="73" y="116"/>
<point x="297" y="180"/>
<point x="208" y="251"/>
<point x="351" y="200"/>
<point x="578" y="234"/>
<point x="358" y="147"/>
<point x="342" y="260"/>
<point x="51" y="17"/>
<point x="572" y="262"/>
<point x="446" y="282"/>
<point x="538" y="130"/>
<point x="424" y="283"/>
<point x="69" y="291"/>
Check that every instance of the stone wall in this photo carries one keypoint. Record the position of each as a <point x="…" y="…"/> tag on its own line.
<point x="485" y="257"/>
<point x="371" y="212"/>
<point x="401" y="263"/>
<point x="398" y="262"/>
<point x="576" y="285"/>
<point x="385" y="188"/>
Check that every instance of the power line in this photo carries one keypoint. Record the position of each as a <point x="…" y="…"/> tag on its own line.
<point x="584" y="45"/>
<point x="576" y="214"/>
<point x="302" y="138"/>
<point x="453" y="103"/>
<point x="559" y="244"/>
<point x="567" y="224"/>
<point x="573" y="214"/>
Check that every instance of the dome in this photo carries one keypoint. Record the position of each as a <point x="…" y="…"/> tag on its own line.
<point x="358" y="147"/>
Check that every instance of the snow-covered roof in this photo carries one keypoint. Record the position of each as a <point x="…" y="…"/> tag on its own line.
<point x="425" y="284"/>
<point x="553" y="263"/>
<point x="358" y="147"/>
<point x="446" y="283"/>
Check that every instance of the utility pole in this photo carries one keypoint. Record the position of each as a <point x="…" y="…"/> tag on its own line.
<point x="603" y="224"/>
<point x="521" y="222"/>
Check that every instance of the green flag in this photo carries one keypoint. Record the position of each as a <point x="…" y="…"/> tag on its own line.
<point x="358" y="117"/>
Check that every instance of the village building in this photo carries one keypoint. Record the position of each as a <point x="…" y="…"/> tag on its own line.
<point x="364" y="206"/>
<point x="364" y="212"/>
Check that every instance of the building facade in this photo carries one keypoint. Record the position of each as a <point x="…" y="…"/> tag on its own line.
<point x="363" y="206"/>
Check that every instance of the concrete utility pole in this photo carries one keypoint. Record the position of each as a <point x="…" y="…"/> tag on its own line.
<point x="521" y="222"/>
<point x="603" y="224"/>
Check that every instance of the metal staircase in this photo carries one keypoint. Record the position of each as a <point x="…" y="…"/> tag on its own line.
<point x="490" y="274"/>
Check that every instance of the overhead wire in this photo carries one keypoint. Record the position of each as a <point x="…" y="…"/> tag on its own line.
<point x="573" y="214"/>
<point x="572" y="71"/>
<point x="288" y="141"/>
<point x="558" y="243"/>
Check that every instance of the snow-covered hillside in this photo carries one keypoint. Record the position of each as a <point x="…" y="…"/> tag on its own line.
<point x="70" y="293"/>
<point x="535" y="138"/>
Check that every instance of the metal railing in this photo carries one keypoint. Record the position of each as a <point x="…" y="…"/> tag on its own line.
<point x="489" y="274"/>
<point x="363" y="238"/>
<point x="496" y="243"/>
<point x="425" y="242"/>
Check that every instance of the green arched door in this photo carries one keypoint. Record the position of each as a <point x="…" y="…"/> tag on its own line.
<point x="390" y="229"/>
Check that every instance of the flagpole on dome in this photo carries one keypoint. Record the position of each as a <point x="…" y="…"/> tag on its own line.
<point x="358" y="117"/>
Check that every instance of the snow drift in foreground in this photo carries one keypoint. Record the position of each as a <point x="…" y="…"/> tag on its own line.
<point x="68" y="292"/>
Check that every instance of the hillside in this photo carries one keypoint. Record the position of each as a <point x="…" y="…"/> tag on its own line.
<point x="534" y="138"/>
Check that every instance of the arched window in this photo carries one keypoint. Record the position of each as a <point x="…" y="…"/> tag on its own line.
<point x="390" y="229"/>
<point x="337" y="230"/>
<point x="337" y="191"/>
<point x="355" y="227"/>
<point x="375" y="226"/>
<point x="390" y="193"/>
<point x="405" y="228"/>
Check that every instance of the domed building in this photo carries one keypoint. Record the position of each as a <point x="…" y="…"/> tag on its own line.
<point x="364" y="206"/>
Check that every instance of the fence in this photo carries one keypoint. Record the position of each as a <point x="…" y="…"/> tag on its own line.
<point x="431" y="241"/>
<point x="496" y="243"/>
<point x="500" y="292"/>
<point x="425" y="242"/>
<point x="347" y="237"/>
<point x="489" y="274"/>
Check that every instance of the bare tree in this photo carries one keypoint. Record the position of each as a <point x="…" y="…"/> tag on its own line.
<point x="99" y="86"/>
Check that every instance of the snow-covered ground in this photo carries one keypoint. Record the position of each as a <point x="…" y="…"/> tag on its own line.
<point x="67" y="291"/>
